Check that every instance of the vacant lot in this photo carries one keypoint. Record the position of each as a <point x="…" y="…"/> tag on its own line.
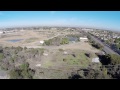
<point x="57" y="60"/>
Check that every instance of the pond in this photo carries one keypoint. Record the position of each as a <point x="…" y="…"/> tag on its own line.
<point x="15" y="40"/>
<point x="73" y="39"/>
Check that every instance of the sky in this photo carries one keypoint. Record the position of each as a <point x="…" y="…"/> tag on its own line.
<point x="95" y="19"/>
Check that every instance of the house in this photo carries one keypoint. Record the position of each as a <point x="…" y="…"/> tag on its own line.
<point x="83" y="39"/>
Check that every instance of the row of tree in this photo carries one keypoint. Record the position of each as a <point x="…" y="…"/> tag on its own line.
<point x="56" y="41"/>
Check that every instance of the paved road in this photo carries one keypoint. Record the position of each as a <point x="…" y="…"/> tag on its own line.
<point x="106" y="48"/>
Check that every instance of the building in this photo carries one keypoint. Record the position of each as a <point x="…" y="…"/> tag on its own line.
<point x="41" y="42"/>
<point x="95" y="60"/>
<point x="1" y="32"/>
<point x="83" y="39"/>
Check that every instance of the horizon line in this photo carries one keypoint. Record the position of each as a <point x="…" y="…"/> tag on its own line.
<point x="88" y="27"/>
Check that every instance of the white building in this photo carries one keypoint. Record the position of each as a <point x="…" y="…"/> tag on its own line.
<point x="41" y="42"/>
<point x="1" y="32"/>
<point x="95" y="60"/>
<point x="83" y="39"/>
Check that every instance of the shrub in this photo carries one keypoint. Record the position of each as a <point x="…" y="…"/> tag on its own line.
<point x="64" y="41"/>
<point x="61" y="50"/>
<point x="15" y="74"/>
<point x="64" y="59"/>
<point x="1" y="56"/>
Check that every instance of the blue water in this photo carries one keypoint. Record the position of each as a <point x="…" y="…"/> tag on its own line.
<point x="15" y="40"/>
<point x="73" y="38"/>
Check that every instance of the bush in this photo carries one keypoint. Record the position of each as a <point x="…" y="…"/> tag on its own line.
<point x="61" y="50"/>
<point x="97" y="45"/>
<point x="15" y="74"/>
<point x="1" y="49"/>
<point x="24" y="66"/>
<point x="64" y="59"/>
<point x="1" y="56"/>
<point x="23" y="72"/>
<point x="64" y="41"/>
<point x="47" y="42"/>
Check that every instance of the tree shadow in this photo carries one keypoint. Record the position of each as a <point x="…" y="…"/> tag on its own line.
<point x="104" y="60"/>
<point x="76" y="76"/>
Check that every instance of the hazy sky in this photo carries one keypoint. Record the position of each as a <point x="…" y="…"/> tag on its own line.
<point x="100" y="19"/>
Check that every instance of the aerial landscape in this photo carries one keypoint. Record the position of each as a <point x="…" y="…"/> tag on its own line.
<point x="59" y="44"/>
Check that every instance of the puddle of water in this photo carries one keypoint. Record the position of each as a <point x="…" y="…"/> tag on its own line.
<point x="15" y="40"/>
<point x="73" y="38"/>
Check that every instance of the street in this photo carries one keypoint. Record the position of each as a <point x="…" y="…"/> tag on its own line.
<point x="105" y="47"/>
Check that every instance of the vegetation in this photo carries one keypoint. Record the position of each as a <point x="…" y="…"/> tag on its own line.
<point x="23" y="72"/>
<point x="56" y="41"/>
<point x="112" y="59"/>
<point x="47" y="42"/>
<point x="61" y="50"/>
<point x="90" y="74"/>
<point x="1" y="56"/>
<point x="117" y="40"/>
<point x="14" y="60"/>
<point x="97" y="45"/>
<point x="64" y="41"/>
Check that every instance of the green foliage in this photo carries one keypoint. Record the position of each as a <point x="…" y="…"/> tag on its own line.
<point x="25" y="48"/>
<point x="104" y="71"/>
<point x="34" y="51"/>
<point x="23" y="72"/>
<point x="64" y="59"/>
<point x="41" y="50"/>
<point x="64" y="41"/>
<point x="117" y="40"/>
<point x="24" y="66"/>
<point x="19" y="48"/>
<point x="1" y="56"/>
<point x="111" y="59"/>
<point x="47" y="42"/>
<point x="1" y="49"/>
<point x="97" y="45"/>
<point x="15" y="74"/>
<point x="26" y="74"/>
<point x="117" y="46"/>
<point x="115" y="59"/>
<point x="61" y="50"/>
<point x="107" y="41"/>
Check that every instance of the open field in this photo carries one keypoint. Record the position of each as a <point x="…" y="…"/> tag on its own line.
<point x="48" y="58"/>
<point x="30" y="37"/>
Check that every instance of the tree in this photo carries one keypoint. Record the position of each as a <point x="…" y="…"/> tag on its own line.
<point x="117" y="46"/>
<point x="64" y="41"/>
<point x="1" y="49"/>
<point x="47" y="42"/>
<point x="117" y="40"/>
<point x="22" y="72"/>
<point x="88" y="55"/>
<point x="24" y="66"/>
<point x="15" y="74"/>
